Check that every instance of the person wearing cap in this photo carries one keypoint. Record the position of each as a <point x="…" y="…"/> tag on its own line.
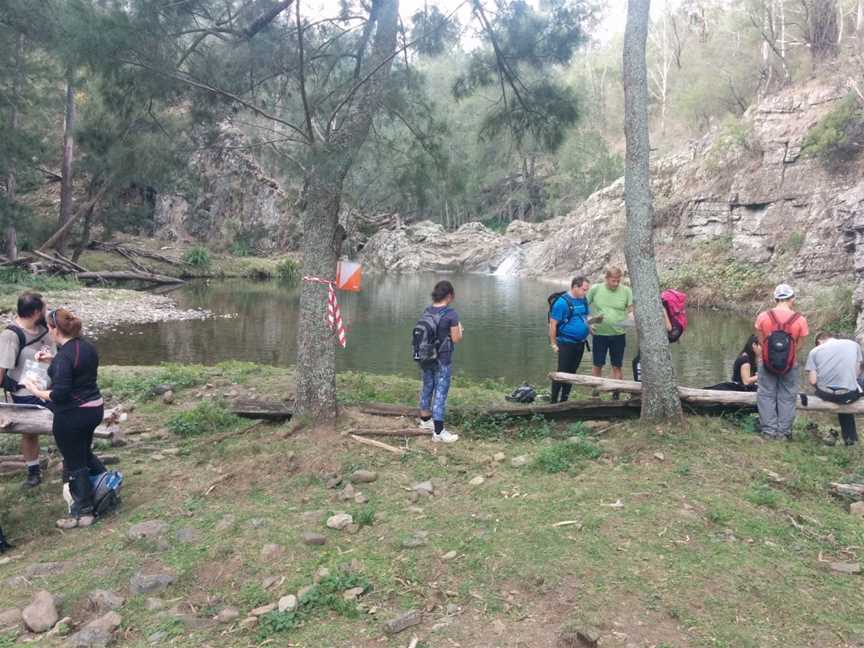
<point x="777" y="392"/>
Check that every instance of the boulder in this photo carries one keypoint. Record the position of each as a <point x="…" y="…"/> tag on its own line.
<point x="364" y="476"/>
<point x="105" y="601"/>
<point x="287" y="603"/>
<point x="149" y="583"/>
<point x="98" y="633"/>
<point x="340" y="521"/>
<point x="41" y="615"/>
<point x="149" y="530"/>
<point x="228" y="615"/>
<point x="314" y="539"/>
<point x="403" y="622"/>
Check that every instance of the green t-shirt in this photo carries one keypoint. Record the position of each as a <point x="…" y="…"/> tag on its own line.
<point x="612" y="304"/>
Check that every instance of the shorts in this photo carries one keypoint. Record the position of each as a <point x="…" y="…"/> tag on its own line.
<point x="611" y="344"/>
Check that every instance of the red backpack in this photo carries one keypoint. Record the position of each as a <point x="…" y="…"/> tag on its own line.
<point x="778" y="351"/>
<point x="675" y="303"/>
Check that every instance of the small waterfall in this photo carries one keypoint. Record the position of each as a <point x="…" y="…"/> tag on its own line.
<point x="510" y="265"/>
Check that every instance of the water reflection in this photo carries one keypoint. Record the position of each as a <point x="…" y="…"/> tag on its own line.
<point x="504" y="319"/>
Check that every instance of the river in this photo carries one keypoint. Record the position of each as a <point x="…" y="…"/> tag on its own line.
<point x="504" y="319"/>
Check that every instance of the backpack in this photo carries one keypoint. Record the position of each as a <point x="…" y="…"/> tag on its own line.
<point x="554" y="297"/>
<point x="8" y="384"/>
<point x="425" y="344"/>
<point x="675" y="301"/>
<point x="778" y="352"/>
<point x="106" y="491"/>
<point x="524" y="393"/>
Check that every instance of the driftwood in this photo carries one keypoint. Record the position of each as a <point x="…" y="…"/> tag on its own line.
<point x="855" y="491"/>
<point x="128" y="275"/>
<point x="129" y="251"/>
<point x="706" y="397"/>
<point x="377" y="444"/>
<point x="16" y="419"/>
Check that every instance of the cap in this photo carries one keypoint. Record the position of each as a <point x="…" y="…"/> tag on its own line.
<point x="783" y="292"/>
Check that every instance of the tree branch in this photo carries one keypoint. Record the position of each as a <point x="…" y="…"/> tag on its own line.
<point x="302" y="75"/>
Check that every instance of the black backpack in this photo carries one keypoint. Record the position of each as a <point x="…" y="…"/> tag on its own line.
<point x="554" y="297"/>
<point x="425" y="344"/>
<point x="10" y="385"/>
<point x="778" y="352"/>
<point x="524" y="393"/>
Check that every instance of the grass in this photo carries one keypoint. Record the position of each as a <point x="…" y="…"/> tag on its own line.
<point x="204" y="418"/>
<point x="688" y="556"/>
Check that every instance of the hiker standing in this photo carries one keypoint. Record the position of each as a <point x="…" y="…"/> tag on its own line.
<point x="780" y="331"/>
<point x="674" y="303"/>
<point x="19" y="344"/>
<point x="833" y="367"/>
<point x="433" y="340"/>
<point x="568" y="332"/>
<point x="614" y="303"/>
<point x="78" y="409"/>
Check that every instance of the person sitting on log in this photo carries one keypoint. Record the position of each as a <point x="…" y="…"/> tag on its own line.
<point x="78" y="409"/>
<point x="19" y="344"/>
<point x="744" y="369"/>
<point x="833" y="368"/>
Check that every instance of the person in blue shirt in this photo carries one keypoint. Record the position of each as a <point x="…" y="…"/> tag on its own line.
<point x="568" y="333"/>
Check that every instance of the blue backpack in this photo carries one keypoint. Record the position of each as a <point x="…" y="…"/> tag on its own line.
<point x="106" y="491"/>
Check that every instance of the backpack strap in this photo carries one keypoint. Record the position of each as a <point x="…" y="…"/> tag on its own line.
<point x="782" y="327"/>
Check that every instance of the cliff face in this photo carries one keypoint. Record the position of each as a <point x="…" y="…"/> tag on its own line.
<point x="745" y="189"/>
<point x="236" y="201"/>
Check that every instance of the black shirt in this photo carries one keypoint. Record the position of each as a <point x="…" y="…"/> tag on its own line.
<point x="740" y="361"/>
<point x="73" y="374"/>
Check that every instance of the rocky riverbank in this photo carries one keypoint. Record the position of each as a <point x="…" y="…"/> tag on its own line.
<point x="736" y="211"/>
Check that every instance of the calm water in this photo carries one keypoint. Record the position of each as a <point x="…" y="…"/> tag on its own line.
<point x="504" y="320"/>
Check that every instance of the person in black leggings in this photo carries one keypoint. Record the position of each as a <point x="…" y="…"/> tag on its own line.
<point x="568" y="333"/>
<point x="78" y="409"/>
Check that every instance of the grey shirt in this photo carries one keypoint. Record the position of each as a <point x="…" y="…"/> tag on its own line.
<point x="837" y="364"/>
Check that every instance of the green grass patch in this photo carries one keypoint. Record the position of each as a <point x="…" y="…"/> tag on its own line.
<point x="204" y="418"/>
<point x="567" y="455"/>
<point x="197" y="257"/>
<point x="142" y="384"/>
<point x="288" y="270"/>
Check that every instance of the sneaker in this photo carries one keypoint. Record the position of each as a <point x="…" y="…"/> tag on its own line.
<point x="426" y="425"/>
<point x="445" y="437"/>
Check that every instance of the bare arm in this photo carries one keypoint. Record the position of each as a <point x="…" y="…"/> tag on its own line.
<point x="553" y="333"/>
<point x="667" y="321"/>
<point x="812" y="377"/>
<point x="747" y="378"/>
<point x="456" y="333"/>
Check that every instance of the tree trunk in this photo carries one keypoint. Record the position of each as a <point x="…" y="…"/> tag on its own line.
<point x="322" y="239"/>
<point x="859" y="16"/>
<point x="68" y="155"/>
<point x="660" y="399"/>
<point x="12" y="178"/>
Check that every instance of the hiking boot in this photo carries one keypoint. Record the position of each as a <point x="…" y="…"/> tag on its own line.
<point x="34" y="477"/>
<point x="426" y="425"/>
<point x="445" y="437"/>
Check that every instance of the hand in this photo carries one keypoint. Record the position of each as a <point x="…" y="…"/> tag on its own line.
<point x="592" y="329"/>
<point x="44" y="356"/>
<point x="31" y="386"/>
<point x="554" y="347"/>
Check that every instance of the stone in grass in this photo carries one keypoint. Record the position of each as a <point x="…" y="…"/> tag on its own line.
<point x="104" y="600"/>
<point x="498" y="457"/>
<point x="10" y="617"/>
<point x="288" y="603"/>
<point x="314" y="539"/>
<point x="360" y="498"/>
<point x="364" y="476"/>
<point x="320" y="574"/>
<point x="143" y="583"/>
<point x="264" y="609"/>
<point x="347" y="493"/>
<point x="477" y="481"/>
<point x="272" y="551"/>
<point x="149" y="530"/>
<point x="450" y="555"/>
<point x="415" y="540"/>
<point x="403" y="622"/>
<point x="857" y="509"/>
<point x="340" y="521"/>
<point x="846" y="567"/>
<point x="41" y="615"/>
<point x="168" y="397"/>
<point x="424" y="488"/>
<point x="353" y="594"/>
<point x="519" y="462"/>
<point x="228" y="615"/>
<point x="97" y="633"/>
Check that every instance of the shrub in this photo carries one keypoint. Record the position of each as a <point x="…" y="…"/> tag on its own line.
<point x="837" y="137"/>
<point x="242" y="248"/>
<point x="197" y="257"/>
<point x="566" y="455"/>
<point x="203" y="418"/>
<point x="287" y="270"/>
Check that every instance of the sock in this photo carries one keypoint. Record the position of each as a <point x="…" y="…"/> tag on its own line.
<point x="425" y="418"/>
<point x="439" y="427"/>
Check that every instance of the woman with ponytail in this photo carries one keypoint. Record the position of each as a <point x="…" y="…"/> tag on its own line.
<point x="77" y="404"/>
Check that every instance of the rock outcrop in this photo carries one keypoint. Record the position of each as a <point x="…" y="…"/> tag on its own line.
<point x="745" y="187"/>
<point x="235" y="201"/>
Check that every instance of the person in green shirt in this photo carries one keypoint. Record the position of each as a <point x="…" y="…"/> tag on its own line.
<point x="615" y="303"/>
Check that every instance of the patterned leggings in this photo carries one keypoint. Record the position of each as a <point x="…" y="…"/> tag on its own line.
<point x="433" y="393"/>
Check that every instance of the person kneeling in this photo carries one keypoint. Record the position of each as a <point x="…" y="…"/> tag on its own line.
<point x="833" y="367"/>
<point x="77" y="404"/>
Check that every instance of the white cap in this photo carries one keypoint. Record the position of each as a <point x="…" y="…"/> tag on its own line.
<point x="784" y="292"/>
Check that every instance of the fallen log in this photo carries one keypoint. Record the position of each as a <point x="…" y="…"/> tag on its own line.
<point x="705" y="397"/>
<point x="128" y="249"/>
<point x="18" y="419"/>
<point x="128" y="275"/>
<point x="263" y="410"/>
<point x="578" y="410"/>
<point x="855" y="491"/>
